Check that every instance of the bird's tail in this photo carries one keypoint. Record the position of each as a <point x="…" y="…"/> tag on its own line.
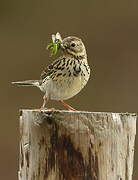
<point x="27" y="83"/>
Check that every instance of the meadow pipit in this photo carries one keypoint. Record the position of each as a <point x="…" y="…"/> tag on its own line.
<point x="67" y="75"/>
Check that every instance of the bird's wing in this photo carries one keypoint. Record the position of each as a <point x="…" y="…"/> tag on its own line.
<point x="52" y="68"/>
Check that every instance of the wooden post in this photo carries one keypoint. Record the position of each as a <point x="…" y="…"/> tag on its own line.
<point x="66" y="145"/>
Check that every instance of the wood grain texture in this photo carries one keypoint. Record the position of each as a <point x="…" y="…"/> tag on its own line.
<point x="63" y="145"/>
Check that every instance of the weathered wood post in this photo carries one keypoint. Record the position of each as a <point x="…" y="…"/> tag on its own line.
<point x="65" y="145"/>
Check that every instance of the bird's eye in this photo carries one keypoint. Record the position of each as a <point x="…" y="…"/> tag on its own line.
<point x="73" y="45"/>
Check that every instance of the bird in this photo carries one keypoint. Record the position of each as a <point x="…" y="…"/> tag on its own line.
<point x="66" y="76"/>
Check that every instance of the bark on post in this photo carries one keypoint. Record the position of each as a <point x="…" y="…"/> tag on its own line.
<point x="63" y="145"/>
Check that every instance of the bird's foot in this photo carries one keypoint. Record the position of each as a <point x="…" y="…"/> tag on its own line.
<point x="44" y="108"/>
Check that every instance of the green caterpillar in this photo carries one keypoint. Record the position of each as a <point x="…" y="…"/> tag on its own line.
<point x="54" y="47"/>
<point x="56" y="44"/>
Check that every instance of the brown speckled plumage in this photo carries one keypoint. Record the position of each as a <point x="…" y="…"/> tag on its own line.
<point x="67" y="75"/>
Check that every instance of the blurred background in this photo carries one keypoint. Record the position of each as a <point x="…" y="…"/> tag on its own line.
<point x="109" y="29"/>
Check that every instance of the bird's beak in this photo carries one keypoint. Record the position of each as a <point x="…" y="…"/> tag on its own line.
<point x="63" y="47"/>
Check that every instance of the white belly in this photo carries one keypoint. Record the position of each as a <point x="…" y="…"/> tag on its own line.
<point x="65" y="88"/>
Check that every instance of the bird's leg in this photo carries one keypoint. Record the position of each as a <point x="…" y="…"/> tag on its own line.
<point x="67" y="106"/>
<point x="45" y="100"/>
<point x="44" y="104"/>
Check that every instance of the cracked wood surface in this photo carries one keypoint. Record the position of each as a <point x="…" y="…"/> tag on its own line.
<point x="65" y="145"/>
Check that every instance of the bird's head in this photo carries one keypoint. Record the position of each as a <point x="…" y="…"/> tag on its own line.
<point x="73" y="46"/>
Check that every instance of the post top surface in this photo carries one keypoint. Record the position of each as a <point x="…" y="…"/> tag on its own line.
<point x="77" y="112"/>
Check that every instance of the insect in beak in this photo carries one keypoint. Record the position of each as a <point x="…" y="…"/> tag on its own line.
<point x="56" y="44"/>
